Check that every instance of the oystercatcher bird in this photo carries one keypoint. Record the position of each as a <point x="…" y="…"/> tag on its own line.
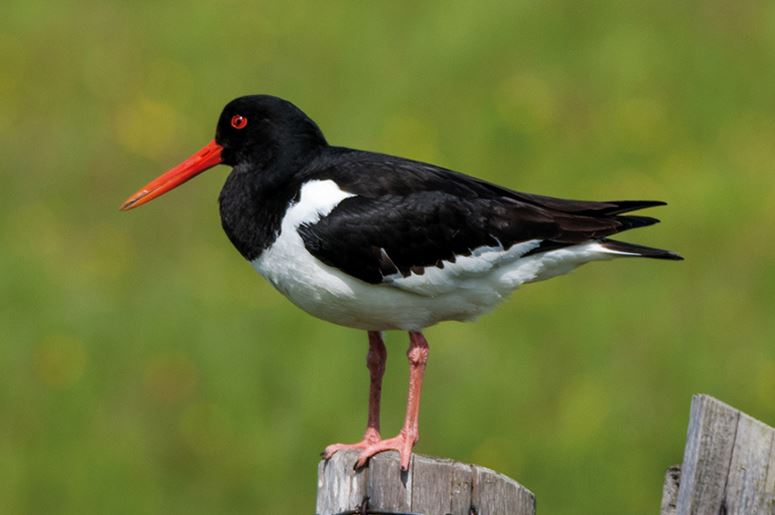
<point x="378" y="242"/>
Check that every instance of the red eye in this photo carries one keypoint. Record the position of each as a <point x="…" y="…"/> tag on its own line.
<point x="238" y="121"/>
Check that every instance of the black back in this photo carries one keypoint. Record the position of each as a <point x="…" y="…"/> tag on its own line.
<point x="409" y="215"/>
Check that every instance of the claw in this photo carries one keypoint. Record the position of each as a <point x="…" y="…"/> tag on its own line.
<point x="370" y="438"/>
<point x="403" y="443"/>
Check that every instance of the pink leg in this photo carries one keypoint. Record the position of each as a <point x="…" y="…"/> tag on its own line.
<point x="410" y="433"/>
<point x="375" y="361"/>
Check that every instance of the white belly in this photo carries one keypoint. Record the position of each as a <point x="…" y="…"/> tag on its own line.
<point x="463" y="290"/>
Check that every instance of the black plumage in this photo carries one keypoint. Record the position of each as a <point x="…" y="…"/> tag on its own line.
<point x="405" y="216"/>
<point x="409" y="215"/>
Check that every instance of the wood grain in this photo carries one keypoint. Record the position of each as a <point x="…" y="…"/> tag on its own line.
<point x="432" y="486"/>
<point x="728" y="463"/>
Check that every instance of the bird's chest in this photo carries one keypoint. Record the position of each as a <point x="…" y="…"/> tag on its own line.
<point x="289" y="266"/>
<point x="251" y="215"/>
<point x="295" y="272"/>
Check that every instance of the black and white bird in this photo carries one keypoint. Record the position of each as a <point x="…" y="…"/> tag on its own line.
<point x="378" y="242"/>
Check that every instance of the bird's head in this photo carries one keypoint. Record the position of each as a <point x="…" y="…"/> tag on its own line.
<point x="252" y="131"/>
<point x="255" y="129"/>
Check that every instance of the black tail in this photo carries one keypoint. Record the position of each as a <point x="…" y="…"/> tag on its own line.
<point x="585" y="207"/>
<point x="633" y="222"/>
<point x="639" y="250"/>
<point x="625" y="206"/>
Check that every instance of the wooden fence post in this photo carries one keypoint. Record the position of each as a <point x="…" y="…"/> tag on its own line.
<point x="728" y="469"/>
<point x="432" y="486"/>
<point x="728" y="465"/>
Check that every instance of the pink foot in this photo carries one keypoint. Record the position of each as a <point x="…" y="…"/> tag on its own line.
<point x="370" y="438"/>
<point x="403" y="443"/>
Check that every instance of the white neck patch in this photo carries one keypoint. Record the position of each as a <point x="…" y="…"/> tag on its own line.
<point x="316" y="200"/>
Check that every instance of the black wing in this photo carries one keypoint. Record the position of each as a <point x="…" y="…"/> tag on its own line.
<point x="409" y="215"/>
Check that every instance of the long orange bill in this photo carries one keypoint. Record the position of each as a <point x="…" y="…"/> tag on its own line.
<point x="205" y="158"/>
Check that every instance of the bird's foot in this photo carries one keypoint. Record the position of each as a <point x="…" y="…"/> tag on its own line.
<point x="371" y="437"/>
<point x="403" y="443"/>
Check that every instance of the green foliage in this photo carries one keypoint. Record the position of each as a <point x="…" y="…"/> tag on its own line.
<point x="147" y="369"/>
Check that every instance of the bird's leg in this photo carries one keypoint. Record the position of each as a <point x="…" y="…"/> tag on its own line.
<point x="375" y="361"/>
<point x="410" y="433"/>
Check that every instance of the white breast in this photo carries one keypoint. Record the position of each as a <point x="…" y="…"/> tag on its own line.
<point x="462" y="290"/>
<point x="288" y="265"/>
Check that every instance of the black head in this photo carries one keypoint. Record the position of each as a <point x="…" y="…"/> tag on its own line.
<point x="254" y="133"/>
<point x="258" y="129"/>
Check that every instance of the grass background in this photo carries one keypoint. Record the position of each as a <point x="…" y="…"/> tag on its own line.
<point x="147" y="369"/>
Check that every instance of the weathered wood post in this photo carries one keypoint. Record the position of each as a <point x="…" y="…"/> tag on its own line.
<point x="432" y="486"/>
<point x="728" y="469"/>
<point x="728" y="465"/>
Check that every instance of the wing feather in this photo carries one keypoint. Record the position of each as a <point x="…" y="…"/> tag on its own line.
<point x="407" y="216"/>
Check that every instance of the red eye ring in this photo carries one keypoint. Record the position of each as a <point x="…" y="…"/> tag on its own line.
<point x="238" y="121"/>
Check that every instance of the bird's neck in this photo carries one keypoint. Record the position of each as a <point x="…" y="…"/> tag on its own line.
<point x="255" y="197"/>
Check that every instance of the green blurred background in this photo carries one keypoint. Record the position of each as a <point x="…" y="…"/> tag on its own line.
<point x="146" y="368"/>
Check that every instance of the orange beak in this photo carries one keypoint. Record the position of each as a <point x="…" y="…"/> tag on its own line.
<point x="204" y="159"/>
